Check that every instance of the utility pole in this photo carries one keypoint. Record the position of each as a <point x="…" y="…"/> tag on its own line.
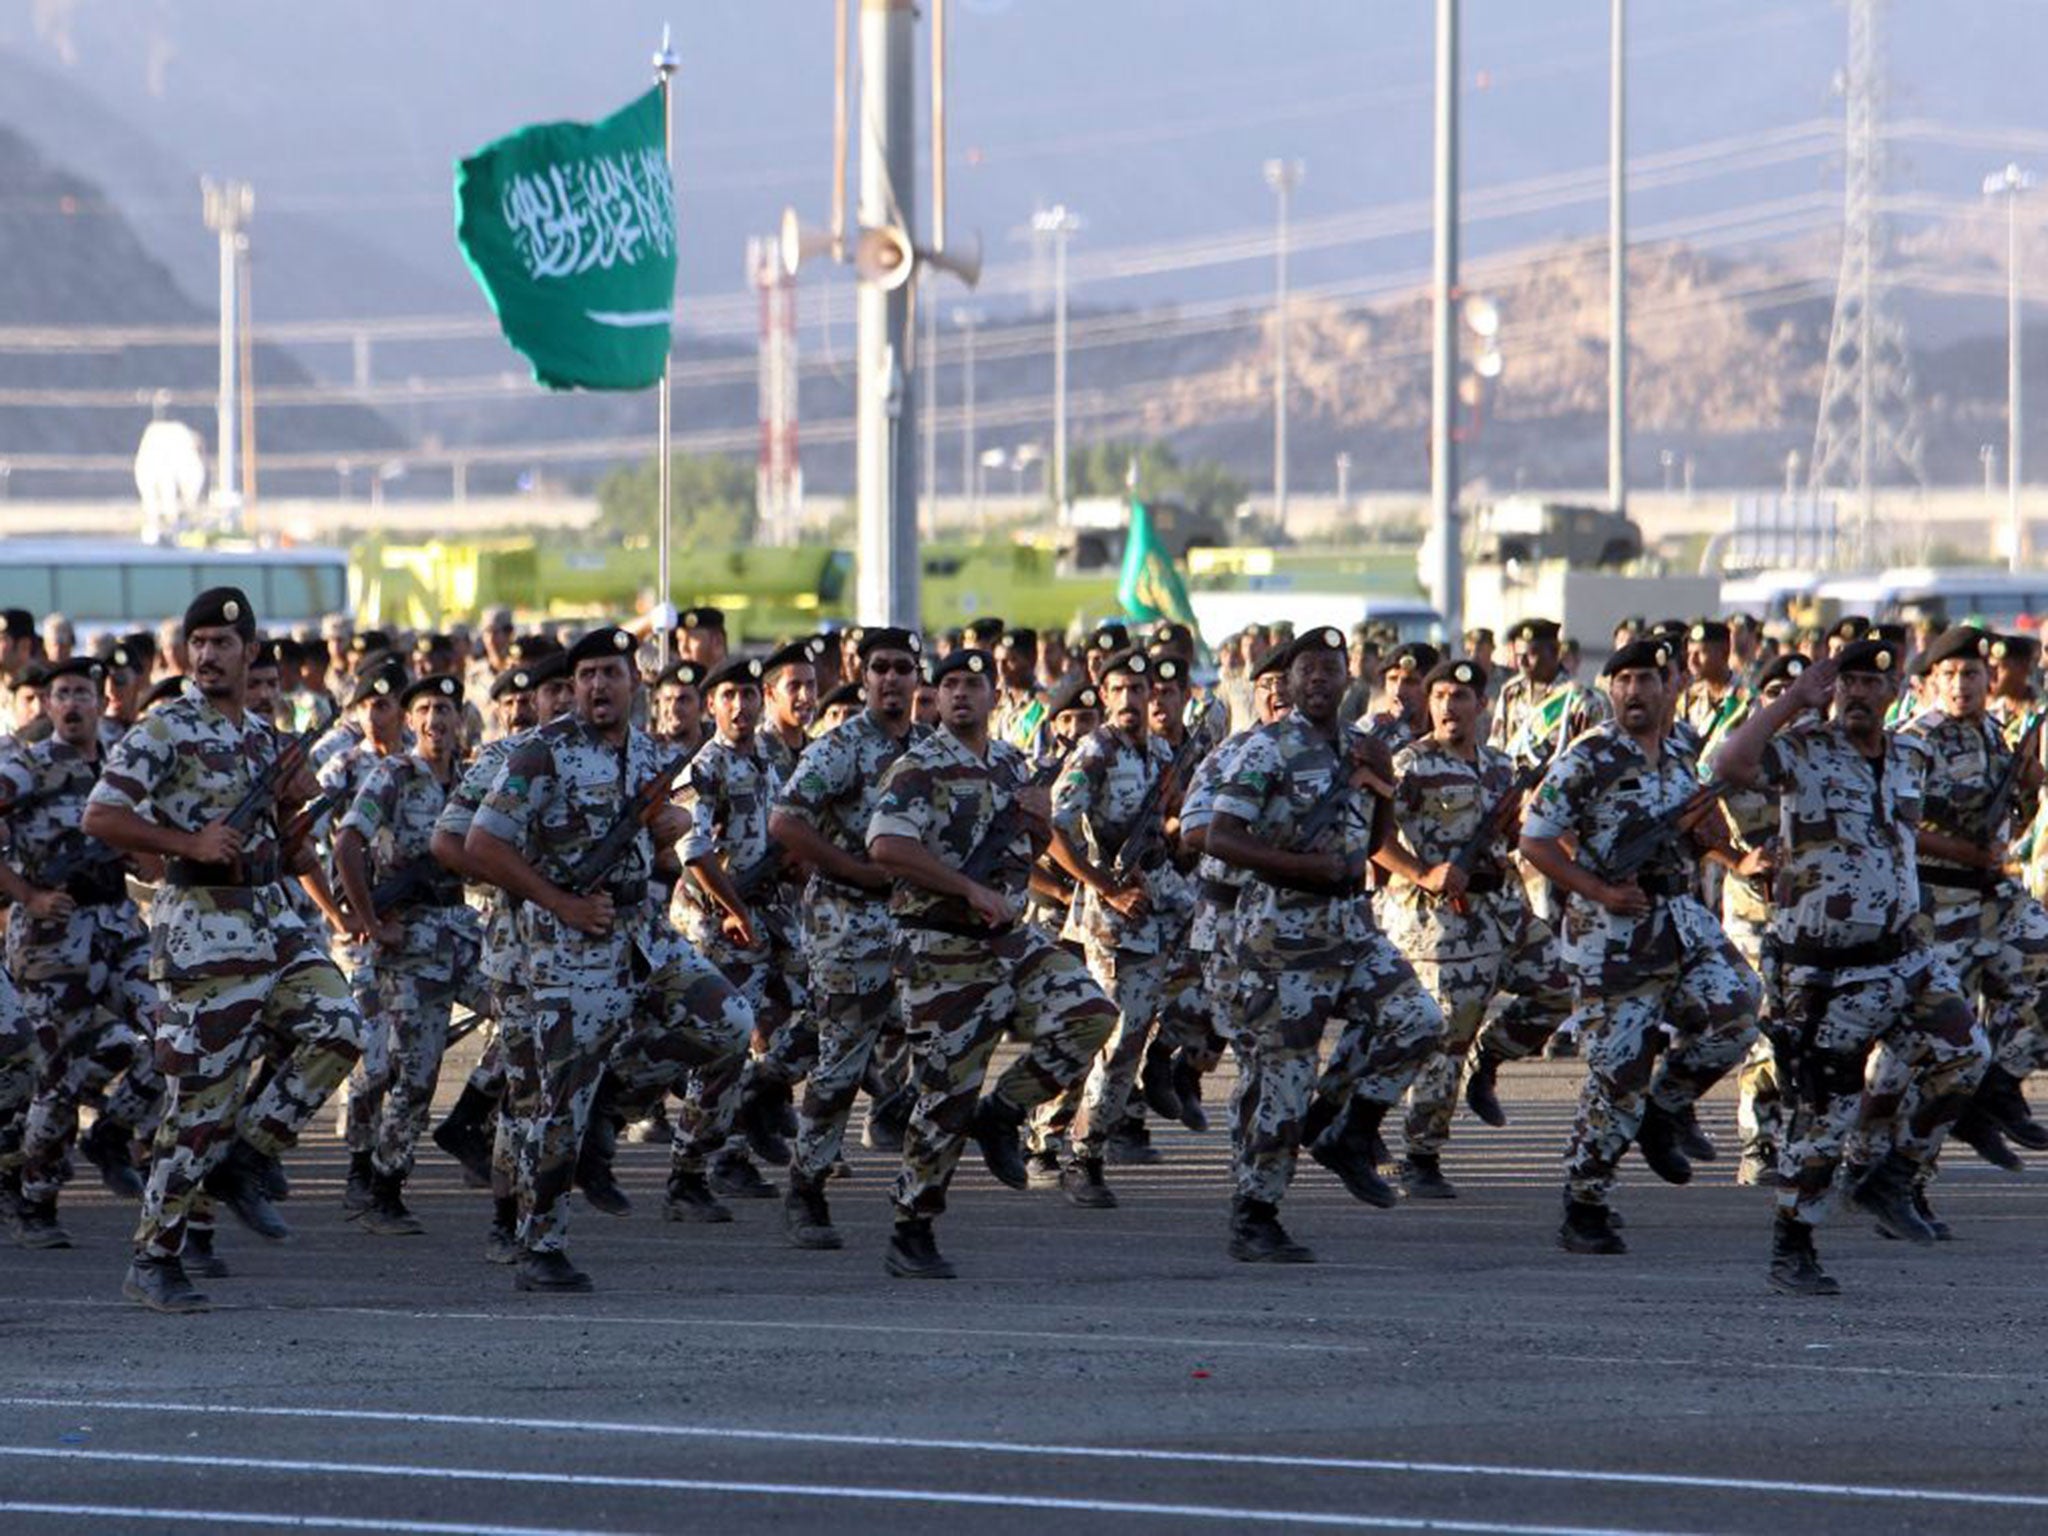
<point x="967" y="318"/>
<point x="928" y="302"/>
<point x="887" y="568"/>
<point x="228" y="205"/>
<point x="1283" y="176"/>
<point x="1058" y="223"/>
<point x="2009" y="184"/>
<point x="1617" y="259"/>
<point x="1446" y="577"/>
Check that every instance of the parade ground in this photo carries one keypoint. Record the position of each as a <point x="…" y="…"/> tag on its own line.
<point x="1444" y="1367"/>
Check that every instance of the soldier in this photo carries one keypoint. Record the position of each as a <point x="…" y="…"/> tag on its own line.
<point x="607" y="982"/>
<point x="427" y="939"/>
<point x="1105" y="641"/>
<point x="1403" y="712"/>
<point x="677" y="718"/>
<point x="127" y="672"/>
<point x="497" y="633"/>
<point x="1461" y="919"/>
<point x="78" y="956"/>
<point x="1541" y="700"/>
<point x="1645" y="955"/>
<point x="1714" y="700"/>
<point x="17" y="652"/>
<point x="1845" y="965"/>
<point x="1019" y="710"/>
<point x="822" y="818"/>
<point x="836" y="707"/>
<point x="957" y="829"/>
<point x="789" y="702"/>
<point x="233" y="962"/>
<point x="1289" y="813"/>
<point x="700" y="636"/>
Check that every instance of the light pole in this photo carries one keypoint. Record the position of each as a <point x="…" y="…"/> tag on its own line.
<point x="2010" y="183"/>
<point x="1059" y="223"/>
<point x="1283" y="176"/>
<point x="1343" y="483"/>
<point x="967" y="318"/>
<point x="1617" y="258"/>
<point x="1446" y="574"/>
<point x="1987" y="455"/>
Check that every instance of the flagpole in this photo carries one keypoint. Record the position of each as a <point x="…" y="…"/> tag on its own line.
<point x="665" y="65"/>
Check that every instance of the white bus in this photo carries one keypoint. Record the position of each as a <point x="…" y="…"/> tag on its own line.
<point x="109" y="584"/>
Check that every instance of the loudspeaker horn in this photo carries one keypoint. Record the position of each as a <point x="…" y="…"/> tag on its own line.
<point x="800" y="242"/>
<point x="963" y="260"/>
<point x="884" y="257"/>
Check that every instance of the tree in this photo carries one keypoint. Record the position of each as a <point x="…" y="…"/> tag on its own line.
<point x="711" y="502"/>
<point x="1204" y="487"/>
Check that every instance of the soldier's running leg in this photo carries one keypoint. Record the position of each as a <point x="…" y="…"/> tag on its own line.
<point x="854" y="1002"/>
<point x="1134" y="984"/>
<point x="1619" y="1029"/>
<point x="1392" y="1027"/>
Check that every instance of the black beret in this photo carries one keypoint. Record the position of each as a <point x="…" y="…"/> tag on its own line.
<point x="1415" y="656"/>
<point x="845" y="693"/>
<point x="426" y="645"/>
<point x="1460" y="670"/>
<point x="513" y="680"/>
<point x="431" y="688"/>
<point x="705" y="617"/>
<point x="1110" y="637"/>
<point x="533" y="647"/>
<point x="1324" y="637"/>
<point x="35" y="675"/>
<point x="1132" y="661"/>
<point x="269" y="655"/>
<point x="1533" y="629"/>
<point x="77" y="666"/>
<point x="1172" y="633"/>
<point x="1880" y="658"/>
<point x="602" y="644"/>
<point x="986" y="631"/>
<point x="1784" y="667"/>
<point x="738" y="670"/>
<point x="168" y="688"/>
<point x="1071" y="692"/>
<point x="1890" y="630"/>
<point x="141" y="645"/>
<point x="1711" y="632"/>
<point x="1017" y="639"/>
<point x="686" y="674"/>
<point x="215" y="608"/>
<point x="887" y="638"/>
<point x="551" y="668"/>
<point x="798" y="653"/>
<point x="21" y="624"/>
<point x="1851" y="627"/>
<point x="1275" y="662"/>
<point x="1479" y="635"/>
<point x="370" y="642"/>
<point x="2015" y="647"/>
<point x="967" y="659"/>
<point x="383" y="680"/>
<point x="1638" y="655"/>
<point x="1169" y="669"/>
<point x="1963" y="642"/>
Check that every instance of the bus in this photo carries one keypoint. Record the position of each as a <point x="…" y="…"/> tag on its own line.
<point x="113" y="585"/>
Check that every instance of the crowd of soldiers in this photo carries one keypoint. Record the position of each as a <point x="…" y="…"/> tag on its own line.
<point x="684" y="891"/>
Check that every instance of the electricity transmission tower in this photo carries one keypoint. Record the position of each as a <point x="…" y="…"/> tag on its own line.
<point x="1869" y="431"/>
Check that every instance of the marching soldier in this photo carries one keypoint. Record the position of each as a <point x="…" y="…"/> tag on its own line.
<point x="1019" y="711"/>
<point x="1460" y="917"/>
<point x="789" y="702"/>
<point x="233" y="962"/>
<point x="677" y="717"/>
<point x="1714" y="700"/>
<point x="957" y="829"/>
<point x="1645" y="954"/>
<point x="1290" y="813"/>
<point x="1402" y="713"/>
<point x="1845" y="966"/>
<point x="1541" y="701"/>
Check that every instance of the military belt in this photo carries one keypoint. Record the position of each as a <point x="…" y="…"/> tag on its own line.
<point x="627" y="893"/>
<point x="849" y="892"/>
<point x="1222" y="892"/>
<point x="98" y="891"/>
<point x="1485" y="882"/>
<point x="1983" y="881"/>
<point x="193" y="873"/>
<point x="957" y="930"/>
<point x="1842" y="957"/>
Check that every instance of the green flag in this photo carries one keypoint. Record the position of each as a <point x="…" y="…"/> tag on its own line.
<point x="1149" y="587"/>
<point x="570" y="229"/>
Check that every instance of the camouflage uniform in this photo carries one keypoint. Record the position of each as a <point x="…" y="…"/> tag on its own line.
<point x="965" y="984"/>
<point x="1305" y="958"/>
<point x="349" y="762"/>
<point x="1529" y="714"/>
<point x="1388" y="727"/>
<point x="638" y="998"/>
<point x="1845" y="969"/>
<point x="233" y="962"/>
<point x="1494" y="947"/>
<point x="1095" y="807"/>
<point x="434" y="965"/>
<point x="846" y="931"/>
<point x="1213" y="921"/>
<point x="84" y="979"/>
<point x="1751" y="817"/>
<point x="1637" y="977"/>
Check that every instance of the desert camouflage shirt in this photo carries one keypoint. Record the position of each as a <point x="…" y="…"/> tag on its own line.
<point x="728" y="790"/>
<point x="1965" y="760"/>
<point x="1527" y="715"/>
<point x="1388" y="727"/>
<point x="396" y="812"/>
<point x="1713" y="717"/>
<point x="1440" y="800"/>
<point x="1216" y="884"/>
<point x="1095" y="805"/>
<point x="941" y="794"/>
<point x="834" y="789"/>
<point x="50" y="782"/>
<point x="456" y="815"/>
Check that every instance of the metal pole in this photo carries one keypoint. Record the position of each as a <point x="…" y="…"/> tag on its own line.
<point x="967" y="319"/>
<point x="2014" y="529"/>
<point x="665" y="65"/>
<point x="938" y="125"/>
<point x="887" y="571"/>
<point x="228" y="205"/>
<point x="928" y="302"/>
<point x="1283" y="176"/>
<point x="1617" y="259"/>
<point x="1446" y="577"/>
<point x="1062" y="224"/>
<point x="246" y="323"/>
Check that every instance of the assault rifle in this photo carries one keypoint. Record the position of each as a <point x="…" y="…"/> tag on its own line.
<point x="1145" y="843"/>
<point x="1999" y="805"/>
<point x="80" y="861"/>
<point x="406" y="884"/>
<point x="750" y="878"/>
<point x="995" y="842"/>
<point x="1647" y="842"/>
<point x="598" y="861"/>
<point x="1468" y="853"/>
<point x="263" y="793"/>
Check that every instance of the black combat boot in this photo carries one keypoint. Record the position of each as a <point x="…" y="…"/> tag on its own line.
<point x="690" y="1199"/>
<point x="1657" y="1138"/>
<point x="1129" y="1144"/>
<point x="913" y="1254"/>
<point x="2004" y="1099"/>
<point x="1795" y="1267"/>
<point x="1155" y="1080"/>
<point x="733" y="1174"/>
<point x="1082" y="1183"/>
<point x="387" y="1215"/>
<point x="275" y="1182"/>
<point x="552" y="1272"/>
<point x="1256" y="1236"/>
<point x="994" y="1129"/>
<point x="1588" y="1228"/>
<point x="1187" y="1087"/>
<point x="806" y="1217"/>
<point x="161" y="1286"/>
<point x="1422" y="1178"/>
<point x="888" y="1119"/>
<point x="198" y="1256"/>
<point x="501" y="1243"/>
<point x="1347" y="1151"/>
<point x="1977" y="1130"/>
<point x="1042" y="1170"/>
<point x="594" y="1175"/>
<point x="355" y="1195"/>
<point x="763" y="1105"/>
<point x="38" y="1227"/>
<point x="238" y="1184"/>
<point x="1694" y="1142"/>
<point x="10" y="1197"/>
<point x="1885" y="1193"/>
<point x="1482" y="1093"/>
<point x="106" y="1147"/>
<point x="465" y="1135"/>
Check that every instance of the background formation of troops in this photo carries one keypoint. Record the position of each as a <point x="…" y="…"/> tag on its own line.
<point x="719" y="901"/>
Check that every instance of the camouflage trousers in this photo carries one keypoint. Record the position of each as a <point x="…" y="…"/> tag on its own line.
<point x="770" y="978"/>
<point x="651" y="1032"/>
<point x="1759" y="1095"/>
<point x="370" y="1079"/>
<point x="416" y="1009"/>
<point x="1917" y="1011"/>
<point x="960" y="996"/>
<point x="1529" y="973"/>
<point x="519" y="1095"/>
<point x="1089" y="1109"/>
<point x="854" y="1001"/>
<point x="212" y="1029"/>
<point x="1391" y="1027"/>
<point x="1705" y="1004"/>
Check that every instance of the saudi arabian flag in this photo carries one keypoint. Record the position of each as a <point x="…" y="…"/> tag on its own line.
<point x="1149" y="587"/>
<point x="570" y="229"/>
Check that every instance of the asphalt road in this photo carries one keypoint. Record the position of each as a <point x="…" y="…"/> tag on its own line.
<point x="1444" y="1367"/>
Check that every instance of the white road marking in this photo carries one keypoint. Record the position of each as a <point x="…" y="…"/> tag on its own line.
<point x="1590" y="1475"/>
<point x="968" y="1497"/>
<point x="127" y="1512"/>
